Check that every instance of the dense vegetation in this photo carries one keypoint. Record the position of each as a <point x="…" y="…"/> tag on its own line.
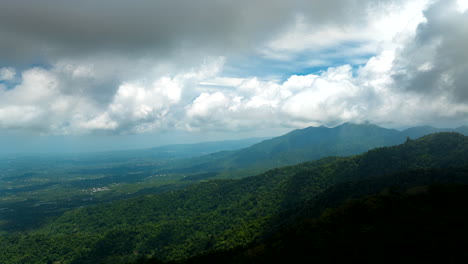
<point x="222" y="215"/>
<point x="420" y="225"/>
<point x="35" y="190"/>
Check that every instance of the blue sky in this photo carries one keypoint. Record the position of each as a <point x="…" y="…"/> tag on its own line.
<point x="123" y="74"/>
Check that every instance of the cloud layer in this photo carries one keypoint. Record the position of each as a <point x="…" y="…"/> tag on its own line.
<point x="121" y="67"/>
<point x="51" y="28"/>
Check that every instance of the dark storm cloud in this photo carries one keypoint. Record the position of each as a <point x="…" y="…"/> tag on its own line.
<point x="51" y="27"/>
<point x="30" y="28"/>
<point x="436" y="62"/>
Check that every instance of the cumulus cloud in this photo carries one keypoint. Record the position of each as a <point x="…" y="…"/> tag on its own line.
<point x="327" y="98"/>
<point x="337" y="95"/>
<point x="27" y="104"/>
<point x="69" y="98"/>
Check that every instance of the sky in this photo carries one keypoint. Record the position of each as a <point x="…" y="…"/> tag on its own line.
<point x="112" y="74"/>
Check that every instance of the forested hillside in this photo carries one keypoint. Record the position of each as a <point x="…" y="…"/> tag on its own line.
<point x="227" y="214"/>
<point x="37" y="189"/>
<point x="419" y="225"/>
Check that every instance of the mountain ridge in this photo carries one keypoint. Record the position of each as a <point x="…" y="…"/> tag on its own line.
<point x="301" y="145"/>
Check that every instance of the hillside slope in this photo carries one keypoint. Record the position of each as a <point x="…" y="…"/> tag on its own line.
<point x="426" y="226"/>
<point x="225" y="214"/>
<point x="297" y="146"/>
<point x="301" y="145"/>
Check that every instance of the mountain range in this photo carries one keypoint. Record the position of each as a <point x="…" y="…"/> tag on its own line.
<point x="298" y="146"/>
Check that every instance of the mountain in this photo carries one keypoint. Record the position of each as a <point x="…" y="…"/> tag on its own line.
<point x="298" y="146"/>
<point x="462" y="130"/>
<point x="316" y="142"/>
<point x="222" y="215"/>
<point x="417" y="132"/>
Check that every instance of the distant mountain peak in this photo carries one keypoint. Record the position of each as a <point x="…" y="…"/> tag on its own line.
<point x="353" y="124"/>
<point x="419" y="131"/>
<point x="343" y="125"/>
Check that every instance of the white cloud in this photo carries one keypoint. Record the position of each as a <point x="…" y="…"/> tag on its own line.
<point x="101" y="122"/>
<point x="7" y="74"/>
<point x="328" y="99"/>
<point x="375" y="30"/>
<point x="26" y="105"/>
<point x="462" y="5"/>
<point x="337" y="95"/>
<point x="301" y="99"/>
<point x="204" y="105"/>
<point x="305" y="37"/>
<point x="222" y="81"/>
<point x="76" y="97"/>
